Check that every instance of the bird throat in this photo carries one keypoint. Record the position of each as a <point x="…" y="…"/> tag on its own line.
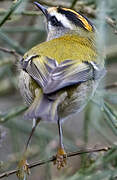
<point x="56" y="34"/>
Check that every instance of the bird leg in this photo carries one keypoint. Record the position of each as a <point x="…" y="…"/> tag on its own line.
<point x="61" y="155"/>
<point x="23" y="169"/>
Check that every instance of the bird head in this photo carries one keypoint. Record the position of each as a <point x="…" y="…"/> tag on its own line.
<point x="63" y="20"/>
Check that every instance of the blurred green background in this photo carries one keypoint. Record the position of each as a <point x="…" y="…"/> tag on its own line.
<point x="21" y="27"/>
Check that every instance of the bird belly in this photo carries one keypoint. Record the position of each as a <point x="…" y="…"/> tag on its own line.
<point x="78" y="96"/>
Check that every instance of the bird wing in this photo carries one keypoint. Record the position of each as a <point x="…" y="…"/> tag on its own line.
<point x="52" y="76"/>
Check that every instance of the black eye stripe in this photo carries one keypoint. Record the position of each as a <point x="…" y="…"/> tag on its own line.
<point x="54" y="21"/>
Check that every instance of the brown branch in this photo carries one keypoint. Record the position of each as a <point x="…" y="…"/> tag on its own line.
<point x="111" y="22"/>
<point x="53" y="158"/>
<point x="14" y="53"/>
<point x="111" y="86"/>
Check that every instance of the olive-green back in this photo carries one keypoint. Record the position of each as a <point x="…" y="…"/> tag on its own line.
<point x="67" y="47"/>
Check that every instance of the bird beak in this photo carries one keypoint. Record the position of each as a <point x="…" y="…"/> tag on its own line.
<point x="42" y="8"/>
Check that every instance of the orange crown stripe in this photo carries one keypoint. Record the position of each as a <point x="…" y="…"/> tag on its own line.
<point x="84" y="21"/>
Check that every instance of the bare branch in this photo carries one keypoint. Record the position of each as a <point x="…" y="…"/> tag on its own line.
<point x="53" y="158"/>
<point x="111" y="86"/>
<point x="111" y="22"/>
<point x="13" y="52"/>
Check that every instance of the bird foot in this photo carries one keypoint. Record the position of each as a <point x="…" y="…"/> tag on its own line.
<point x="23" y="169"/>
<point x="61" y="158"/>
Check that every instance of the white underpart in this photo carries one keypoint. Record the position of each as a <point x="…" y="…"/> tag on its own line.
<point x="62" y="18"/>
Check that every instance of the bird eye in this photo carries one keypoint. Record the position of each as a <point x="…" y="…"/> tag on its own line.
<point x="54" y="21"/>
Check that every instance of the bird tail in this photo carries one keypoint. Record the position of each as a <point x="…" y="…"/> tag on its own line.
<point x="45" y="106"/>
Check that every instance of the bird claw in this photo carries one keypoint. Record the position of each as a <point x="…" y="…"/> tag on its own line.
<point x="61" y="158"/>
<point x="23" y="169"/>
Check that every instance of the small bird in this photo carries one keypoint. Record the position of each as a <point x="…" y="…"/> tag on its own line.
<point x="59" y="76"/>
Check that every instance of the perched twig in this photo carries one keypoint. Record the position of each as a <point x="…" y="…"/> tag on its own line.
<point x="111" y="86"/>
<point x="13" y="52"/>
<point x="51" y="159"/>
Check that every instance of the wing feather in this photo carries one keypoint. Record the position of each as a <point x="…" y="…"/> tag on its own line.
<point x="52" y="77"/>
